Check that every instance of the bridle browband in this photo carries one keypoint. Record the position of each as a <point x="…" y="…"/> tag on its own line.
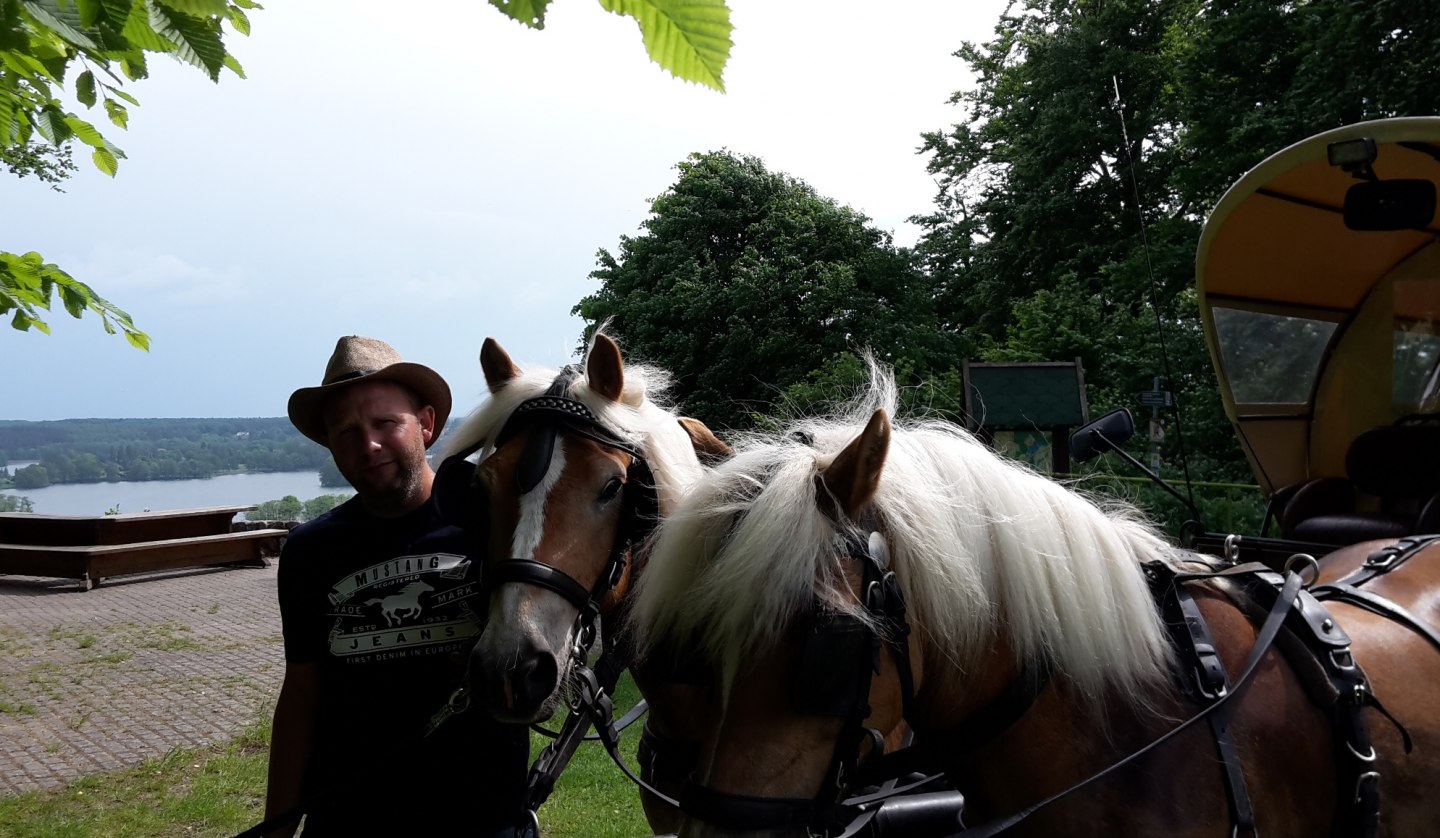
<point x="550" y="414"/>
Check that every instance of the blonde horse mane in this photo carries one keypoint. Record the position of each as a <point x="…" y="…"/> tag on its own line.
<point x="980" y="545"/>
<point x="642" y="415"/>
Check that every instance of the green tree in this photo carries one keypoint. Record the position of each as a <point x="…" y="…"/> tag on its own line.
<point x="1095" y="139"/>
<point x="745" y="281"/>
<point x="315" y="507"/>
<point x="15" y="503"/>
<point x="32" y="477"/>
<point x="330" y="476"/>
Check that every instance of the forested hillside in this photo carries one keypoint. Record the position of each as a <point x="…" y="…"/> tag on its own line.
<point x="95" y="450"/>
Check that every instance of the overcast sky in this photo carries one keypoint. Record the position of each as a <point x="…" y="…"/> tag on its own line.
<point x="438" y="178"/>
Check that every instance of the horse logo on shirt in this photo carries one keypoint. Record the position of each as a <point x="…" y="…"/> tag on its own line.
<point x="406" y="604"/>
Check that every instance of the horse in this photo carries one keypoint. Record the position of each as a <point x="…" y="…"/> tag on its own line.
<point x="1065" y="667"/>
<point x="572" y="463"/>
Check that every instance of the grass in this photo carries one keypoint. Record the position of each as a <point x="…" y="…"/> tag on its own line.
<point x="220" y="790"/>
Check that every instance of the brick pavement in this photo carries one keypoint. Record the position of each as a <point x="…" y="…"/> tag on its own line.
<point x="106" y="679"/>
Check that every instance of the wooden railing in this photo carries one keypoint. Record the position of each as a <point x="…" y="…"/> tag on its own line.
<point x="90" y="548"/>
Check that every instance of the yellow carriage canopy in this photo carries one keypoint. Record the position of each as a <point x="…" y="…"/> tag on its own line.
<point x="1319" y="331"/>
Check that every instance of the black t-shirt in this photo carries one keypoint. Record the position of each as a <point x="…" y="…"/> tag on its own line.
<point x="389" y="609"/>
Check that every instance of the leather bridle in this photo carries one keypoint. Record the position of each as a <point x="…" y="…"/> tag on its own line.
<point x="547" y="416"/>
<point x="822" y="690"/>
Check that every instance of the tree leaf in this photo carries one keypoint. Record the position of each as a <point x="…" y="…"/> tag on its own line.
<point x="9" y="117"/>
<point x="197" y="8"/>
<point x="105" y="161"/>
<point x="115" y="91"/>
<point x="50" y="122"/>
<point x="690" y="38"/>
<point x="139" y="31"/>
<point x="238" y="19"/>
<point x="73" y="300"/>
<point x="119" y="116"/>
<point x="117" y="12"/>
<point x="85" y="132"/>
<point x="233" y="65"/>
<point x="133" y="66"/>
<point x="195" y="41"/>
<point x="64" y="20"/>
<point x="85" y="89"/>
<point x="24" y="322"/>
<point x="91" y="12"/>
<point x="138" y="339"/>
<point x="529" y="12"/>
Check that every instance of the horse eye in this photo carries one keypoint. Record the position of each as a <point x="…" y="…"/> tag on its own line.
<point x="611" y="489"/>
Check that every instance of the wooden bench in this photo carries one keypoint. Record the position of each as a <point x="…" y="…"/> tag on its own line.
<point x="91" y="548"/>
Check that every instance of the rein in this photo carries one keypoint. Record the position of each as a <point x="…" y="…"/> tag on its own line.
<point x="1289" y="606"/>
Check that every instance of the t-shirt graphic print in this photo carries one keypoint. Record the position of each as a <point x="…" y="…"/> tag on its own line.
<point x="404" y="607"/>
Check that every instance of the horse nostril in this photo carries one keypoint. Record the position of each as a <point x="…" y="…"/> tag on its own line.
<point x="534" y="680"/>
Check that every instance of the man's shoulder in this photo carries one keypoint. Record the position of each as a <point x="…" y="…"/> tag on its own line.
<point x="328" y="521"/>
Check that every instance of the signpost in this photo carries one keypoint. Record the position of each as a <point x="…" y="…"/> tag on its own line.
<point x="1155" y="399"/>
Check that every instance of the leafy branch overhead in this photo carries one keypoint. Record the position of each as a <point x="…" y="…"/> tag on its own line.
<point x="90" y="48"/>
<point x="689" y="38"/>
<point x="107" y="41"/>
<point x="28" y="284"/>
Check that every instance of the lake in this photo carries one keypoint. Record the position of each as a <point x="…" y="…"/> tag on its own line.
<point x="158" y="495"/>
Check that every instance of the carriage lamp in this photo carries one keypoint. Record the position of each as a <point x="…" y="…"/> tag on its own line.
<point x="1354" y="156"/>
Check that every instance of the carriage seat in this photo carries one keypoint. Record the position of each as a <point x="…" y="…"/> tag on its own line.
<point x="1391" y="490"/>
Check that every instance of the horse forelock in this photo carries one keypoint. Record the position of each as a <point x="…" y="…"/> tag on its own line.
<point x="979" y="544"/>
<point x="641" y="416"/>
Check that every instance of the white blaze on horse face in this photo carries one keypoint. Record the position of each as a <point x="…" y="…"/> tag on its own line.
<point x="531" y="526"/>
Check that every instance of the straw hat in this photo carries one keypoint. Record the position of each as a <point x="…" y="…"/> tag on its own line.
<point x="367" y="359"/>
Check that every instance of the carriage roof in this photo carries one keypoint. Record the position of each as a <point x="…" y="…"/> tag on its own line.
<point x="1318" y="331"/>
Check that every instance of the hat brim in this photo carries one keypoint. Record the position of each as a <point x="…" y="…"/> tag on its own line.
<point x="306" y="406"/>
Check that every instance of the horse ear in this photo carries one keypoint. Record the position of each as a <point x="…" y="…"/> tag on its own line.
<point x="849" y="482"/>
<point x="708" y="447"/>
<point x="604" y="370"/>
<point x="496" y="363"/>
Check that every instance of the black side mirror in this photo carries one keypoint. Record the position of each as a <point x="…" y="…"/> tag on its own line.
<point x="1104" y="434"/>
<point x="1401" y="204"/>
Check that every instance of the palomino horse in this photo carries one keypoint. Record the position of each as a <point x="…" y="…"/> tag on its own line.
<point x="572" y="463"/>
<point x="1020" y="636"/>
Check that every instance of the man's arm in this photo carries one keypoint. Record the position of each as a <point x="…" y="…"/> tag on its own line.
<point x="292" y="741"/>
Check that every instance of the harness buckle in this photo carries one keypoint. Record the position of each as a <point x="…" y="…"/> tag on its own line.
<point x="1365" y="757"/>
<point x="1382" y="559"/>
<point x="1372" y="777"/>
<point x="1342" y="659"/>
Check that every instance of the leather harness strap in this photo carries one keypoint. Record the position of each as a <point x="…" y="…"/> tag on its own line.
<point x="1378" y="563"/>
<point x="1192" y="638"/>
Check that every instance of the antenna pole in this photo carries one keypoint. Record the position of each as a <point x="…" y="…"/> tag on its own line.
<point x="1154" y="297"/>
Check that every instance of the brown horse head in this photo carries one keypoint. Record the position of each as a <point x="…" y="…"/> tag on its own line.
<point x="567" y="461"/>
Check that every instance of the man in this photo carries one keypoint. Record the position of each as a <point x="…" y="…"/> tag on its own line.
<point x="380" y="604"/>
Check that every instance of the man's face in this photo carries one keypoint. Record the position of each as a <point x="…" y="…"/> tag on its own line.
<point x="378" y="439"/>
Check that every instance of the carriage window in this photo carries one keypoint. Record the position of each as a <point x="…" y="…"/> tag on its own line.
<point x="1270" y="358"/>
<point x="1416" y="382"/>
